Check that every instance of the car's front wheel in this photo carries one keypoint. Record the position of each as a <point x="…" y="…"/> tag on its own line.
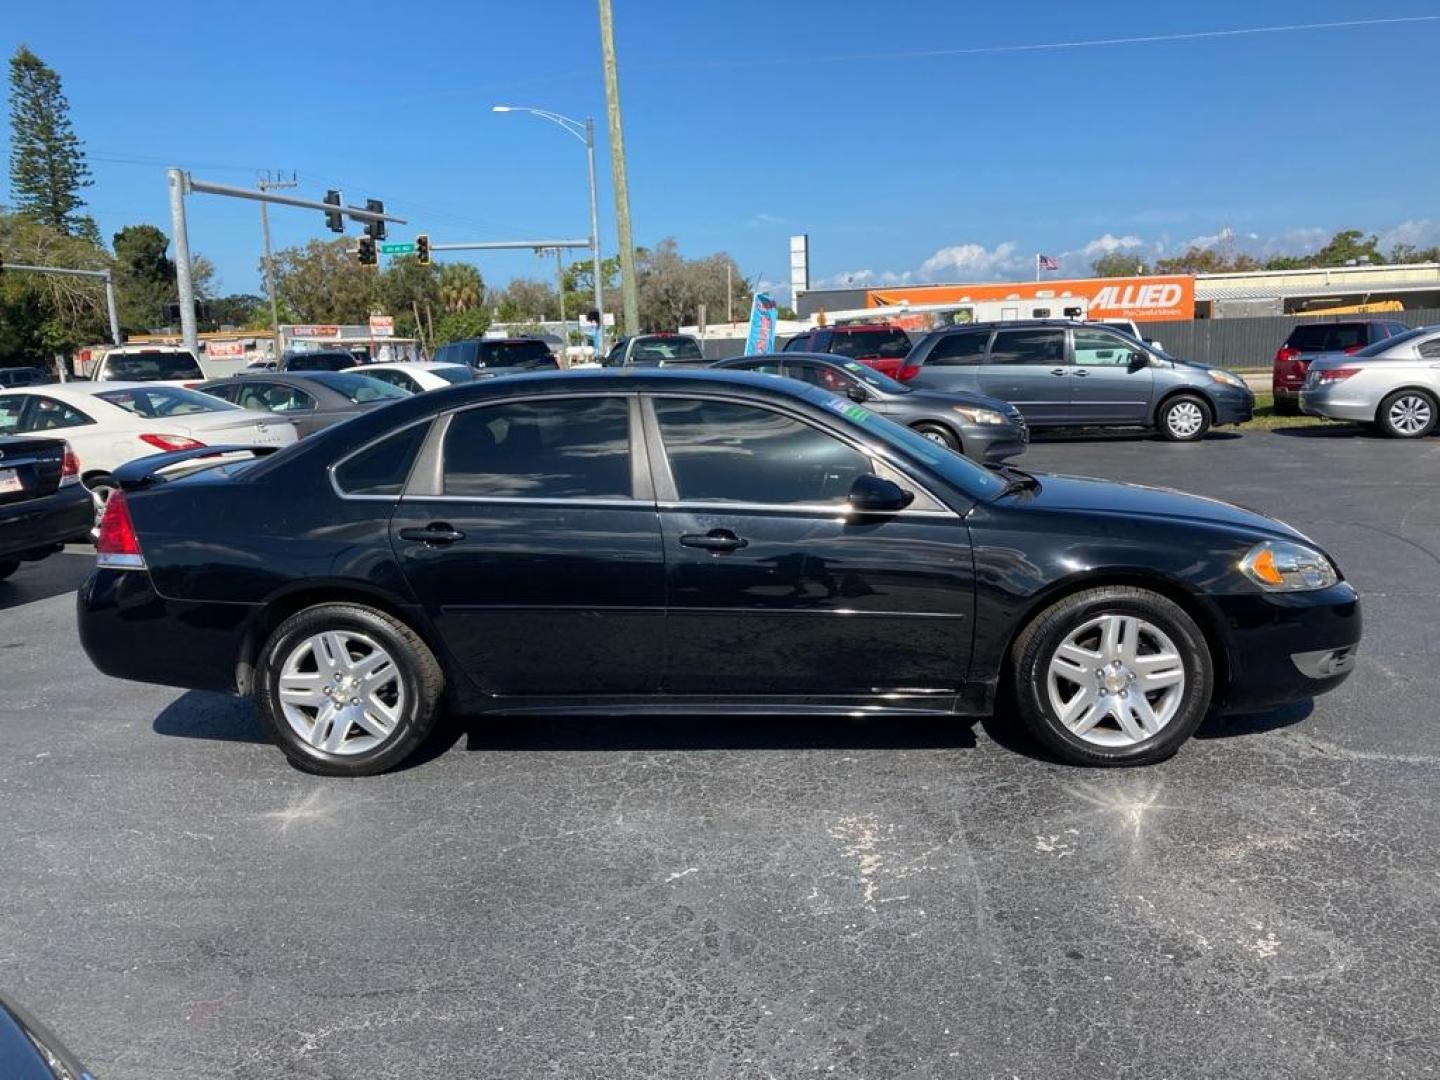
<point x="1184" y="418"/>
<point x="938" y="433"/>
<point x="346" y="690"/>
<point x="1408" y="414"/>
<point x="1112" y="676"/>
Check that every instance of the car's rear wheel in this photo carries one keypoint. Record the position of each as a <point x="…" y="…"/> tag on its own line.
<point x="346" y="690"/>
<point x="1112" y="676"/>
<point x="101" y="486"/>
<point x="8" y="568"/>
<point x="938" y="433"/>
<point x="1408" y="414"/>
<point x="1184" y="418"/>
<point x="1286" y="406"/>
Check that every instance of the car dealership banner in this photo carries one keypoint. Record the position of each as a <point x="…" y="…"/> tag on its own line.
<point x="763" y="313"/>
<point x="1139" y="298"/>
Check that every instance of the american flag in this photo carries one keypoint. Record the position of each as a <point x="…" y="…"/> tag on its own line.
<point x="1045" y="262"/>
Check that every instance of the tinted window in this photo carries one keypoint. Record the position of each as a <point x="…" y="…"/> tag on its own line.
<point x="1386" y="344"/>
<point x="799" y="343"/>
<point x="151" y="366"/>
<point x="514" y="353"/>
<point x="272" y="397"/>
<point x="572" y="448"/>
<point x="358" y="388"/>
<point x="397" y="379"/>
<point x="47" y="414"/>
<point x="454" y="374"/>
<point x="668" y="348"/>
<point x="765" y="367"/>
<point x="954" y="350"/>
<point x="11" y="406"/>
<point x="320" y="362"/>
<point x="1328" y="337"/>
<point x="821" y="375"/>
<point x="1430" y="350"/>
<point x="163" y="401"/>
<point x="447" y="354"/>
<point x="1028" y="347"/>
<point x="721" y="451"/>
<point x="383" y="468"/>
<point x="886" y="342"/>
<point x="1097" y="348"/>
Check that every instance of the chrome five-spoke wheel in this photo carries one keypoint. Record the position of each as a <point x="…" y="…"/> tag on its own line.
<point x="341" y="692"/>
<point x="1116" y="680"/>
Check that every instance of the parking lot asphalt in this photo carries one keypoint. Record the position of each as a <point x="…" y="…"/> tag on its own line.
<point x="754" y="898"/>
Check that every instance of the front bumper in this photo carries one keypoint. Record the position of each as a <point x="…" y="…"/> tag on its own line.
<point x="1233" y="405"/>
<point x="35" y="527"/>
<point x="994" y="442"/>
<point x="1287" y="647"/>
<point x="1337" y="402"/>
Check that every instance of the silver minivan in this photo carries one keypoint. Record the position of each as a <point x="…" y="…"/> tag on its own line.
<point x="1064" y="374"/>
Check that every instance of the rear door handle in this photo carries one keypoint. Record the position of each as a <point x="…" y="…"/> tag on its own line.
<point x="1057" y="371"/>
<point x="714" y="540"/>
<point x="437" y="532"/>
<point x="1081" y="373"/>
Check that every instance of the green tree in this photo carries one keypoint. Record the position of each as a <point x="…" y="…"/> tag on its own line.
<point x="1347" y="247"/>
<point x="525" y="300"/>
<point x="672" y="287"/>
<point x="1409" y="253"/>
<point x="42" y="314"/>
<point x="404" y="286"/>
<point x="461" y="287"/>
<point x="244" y="311"/>
<point x="1117" y="264"/>
<point x="321" y="283"/>
<point x="47" y="161"/>
<point x="454" y="325"/>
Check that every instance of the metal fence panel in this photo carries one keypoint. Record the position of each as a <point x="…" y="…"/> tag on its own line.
<point x="1249" y="344"/>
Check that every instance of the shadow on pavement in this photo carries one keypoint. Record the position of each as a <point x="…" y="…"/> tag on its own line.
<point x="200" y="714"/>
<point x="1327" y="431"/>
<point x="1227" y="727"/>
<point x="1101" y="435"/>
<point x="53" y="575"/>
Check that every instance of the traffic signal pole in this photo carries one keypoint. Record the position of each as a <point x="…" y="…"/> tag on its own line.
<point x="65" y="271"/>
<point x="182" y="184"/>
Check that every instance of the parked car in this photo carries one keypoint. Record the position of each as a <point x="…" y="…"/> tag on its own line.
<point x="318" y="360"/>
<point x="654" y="350"/>
<point x="980" y="427"/>
<point x="149" y="363"/>
<point x="108" y="424"/>
<point x="1067" y="374"/>
<point x="882" y="346"/>
<point x="24" y="376"/>
<point x="1393" y="384"/>
<point x="310" y="400"/>
<point x="499" y="355"/>
<point x="694" y="541"/>
<point x="415" y="377"/>
<point x="42" y="502"/>
<point x="31" y="1051"/>
<point x="1306" y="341"/>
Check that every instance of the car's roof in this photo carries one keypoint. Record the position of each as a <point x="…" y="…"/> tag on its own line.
<point x="504" y="340"/>
<point x="406" y="365"/>
<point x="855" y="328"/>
<point x="82" y="388"/>
<point x="146" y="348"/>
<point x="832" y="359"/>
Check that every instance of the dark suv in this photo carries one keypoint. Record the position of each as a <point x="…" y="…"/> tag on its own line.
<point x="499" y="356"/>
<point x="1292" y="359"/>
<point x="879" y="345"/>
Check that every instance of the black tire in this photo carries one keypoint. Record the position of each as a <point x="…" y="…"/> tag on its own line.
<point x="1286" y="406"/>
<point x="1178" y="420"/>
<point x="8" y="568"/>
<point x="939" y="433"/>
<point x="415" y="665"/>
<point x="1037" y="644"/>
<point x="1389" y="420"/>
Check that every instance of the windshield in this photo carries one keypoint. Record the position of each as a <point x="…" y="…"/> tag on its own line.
<point x="1385" y="344"/>
<point x="512" y="353"/>
<point x="954" y="467"/>
<point x="319" y="361"/>
<point x="872" y="378"/>
<point x="164" y="401"/>
<point x="454" y="373"/>
<point x="152" y="366"/>
<point x="358" y="388"/>
<point x="666" y="348"/>
<point x="889" y="343"/>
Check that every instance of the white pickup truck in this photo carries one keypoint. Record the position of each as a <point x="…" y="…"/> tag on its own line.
<point x="149" y="363"/>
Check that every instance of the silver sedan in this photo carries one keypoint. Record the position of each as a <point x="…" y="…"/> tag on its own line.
<point x="1394" y="384"/>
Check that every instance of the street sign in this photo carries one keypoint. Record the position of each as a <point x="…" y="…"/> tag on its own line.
<point x="397" y="249"/>
<point x="382" y="325"/>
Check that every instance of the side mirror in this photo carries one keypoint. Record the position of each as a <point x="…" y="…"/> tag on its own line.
<point x="1139" y="361"/>
<point x="871" y="494"/>
<point x="858" y="394"/>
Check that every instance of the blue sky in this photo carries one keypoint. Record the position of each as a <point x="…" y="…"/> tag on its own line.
<point x="747" y="122"/>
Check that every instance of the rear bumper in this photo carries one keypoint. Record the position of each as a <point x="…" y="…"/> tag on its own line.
<point x="1334" y="403"/>
<point x="36" y="527"/>
<point x="1288" y="647"/>
<point x="130" y="632"/>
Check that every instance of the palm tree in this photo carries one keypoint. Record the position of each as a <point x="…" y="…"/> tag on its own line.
<point x="460" y="287"/>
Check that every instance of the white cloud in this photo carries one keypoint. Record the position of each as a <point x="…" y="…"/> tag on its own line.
<point x="1420" y="232"/>
<point x="859" y="279"/>
<point x="1105" y="245"/>
<point x="972" y="261"/>
<point x="761" y="220"/>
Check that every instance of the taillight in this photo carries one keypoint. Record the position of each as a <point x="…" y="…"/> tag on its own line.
<point x="69" y="467"/>
<point x="116" y="545"/>
<point x="1285" y="354"/>
<point x="907" y="372"/>
<point x="169" y="443"/>
<point x="1334" y="375"/>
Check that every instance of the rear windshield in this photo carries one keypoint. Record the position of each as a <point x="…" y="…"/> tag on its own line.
<point x="164" y="401"/>
<point x="512" y="353"/>
<point x="152" y="366"/>
<point x="321" y="362"/>
<point x="454" y="373"/>
<point x="358" y="388"/>
<point x="1385" y="344"/>
<point x="1328" y="337"/>
<point x="888" y="343"/>
<point x="666" y="348"/>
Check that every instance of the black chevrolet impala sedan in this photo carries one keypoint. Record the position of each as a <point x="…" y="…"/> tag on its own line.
<point x="678" y="541"/>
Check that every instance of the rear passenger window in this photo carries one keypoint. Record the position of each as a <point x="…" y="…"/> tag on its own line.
<point x="959" y="350"/>
<point x="383" y="468"/>
<point x="1430" y="350"/>
<point x="568" y="448"/>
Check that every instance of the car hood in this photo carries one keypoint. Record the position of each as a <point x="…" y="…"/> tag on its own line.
<point x="943" y="399"/>
<point x="1086" y="495"/>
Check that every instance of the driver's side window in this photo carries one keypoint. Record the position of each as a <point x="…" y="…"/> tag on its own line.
<point x="827" y="378"/>
<point x="1100" y="348"/>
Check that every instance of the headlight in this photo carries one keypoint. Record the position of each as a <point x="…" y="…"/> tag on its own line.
<point x="979" y="416"/>
<point x="1284" y="566"/>
<point x="1227" y="378"/>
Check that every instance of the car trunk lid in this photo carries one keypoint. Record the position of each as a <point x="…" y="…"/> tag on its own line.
<point x="30" y="468"/>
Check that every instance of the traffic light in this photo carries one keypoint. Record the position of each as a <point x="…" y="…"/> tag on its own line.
<point x="422" y="249"/>
<point x="367" y="251"/>
<point x="334" y="221"/>
<point x="375" y="229"/>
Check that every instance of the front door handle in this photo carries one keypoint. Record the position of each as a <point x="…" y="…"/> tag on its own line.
<point x="436" y="533"/>
<point x="1057" y="371"/>
<point x="714" y="540"/>
<point x="1081" y="373"/>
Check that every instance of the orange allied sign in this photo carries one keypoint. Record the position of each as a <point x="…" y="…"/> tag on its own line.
<point x="1139" y="298"/>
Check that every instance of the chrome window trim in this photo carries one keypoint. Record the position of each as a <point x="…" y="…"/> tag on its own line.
<point x="835" y="510"/>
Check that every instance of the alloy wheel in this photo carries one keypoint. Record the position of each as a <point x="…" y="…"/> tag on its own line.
<point x="1116" y="680"/>
<point x="1184" y="419"/>
<point x="1410" y="414"/>
<point x="341" y="692"/>
<point x="936" y="437"/>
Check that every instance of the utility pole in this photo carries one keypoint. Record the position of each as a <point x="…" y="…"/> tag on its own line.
<point x="617" y="171"/>
<point x="272" y="182"/>
<point x="729" y="297"/>
<point x="560" y="289"/>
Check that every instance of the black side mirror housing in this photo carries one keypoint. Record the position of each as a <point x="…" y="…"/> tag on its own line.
<point x="857" y="393"/>
<point x="1139" y="361"/>
<point x="871" y="494"/>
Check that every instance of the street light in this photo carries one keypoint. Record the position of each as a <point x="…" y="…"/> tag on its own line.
<point x="585" y="132"/>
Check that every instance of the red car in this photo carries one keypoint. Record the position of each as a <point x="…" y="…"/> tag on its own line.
<point x="878" y="345"/>
<point x="1292" y="360"/>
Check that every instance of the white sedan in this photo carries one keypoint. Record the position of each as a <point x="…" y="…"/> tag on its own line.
<point x="417" y="376"/>
<point x="108" y="424"/>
